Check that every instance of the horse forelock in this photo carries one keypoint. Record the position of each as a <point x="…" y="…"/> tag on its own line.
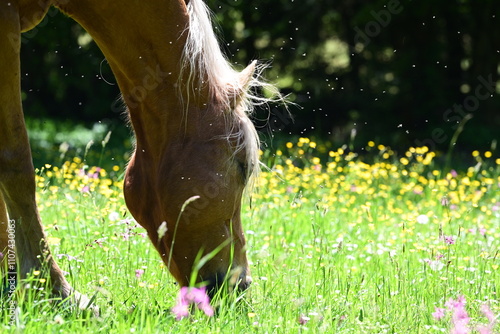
<point x="205" y="67"/>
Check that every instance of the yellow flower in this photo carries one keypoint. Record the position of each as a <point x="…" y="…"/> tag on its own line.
<point x="428" y="158"/>
<point x="53" y="241"/>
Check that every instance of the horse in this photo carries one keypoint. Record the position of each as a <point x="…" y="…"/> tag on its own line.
<point x="196" y="148"/>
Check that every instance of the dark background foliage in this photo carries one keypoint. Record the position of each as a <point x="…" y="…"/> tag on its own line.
<point x="402" y="73"/>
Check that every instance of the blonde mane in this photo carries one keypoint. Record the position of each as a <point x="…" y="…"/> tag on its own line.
<point x="208" y="67"/>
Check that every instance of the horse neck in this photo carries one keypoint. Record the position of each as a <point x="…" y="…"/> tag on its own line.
<point x="146" y="61"/>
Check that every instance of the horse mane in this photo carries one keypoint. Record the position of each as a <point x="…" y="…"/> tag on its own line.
<point x="206" y="66"/>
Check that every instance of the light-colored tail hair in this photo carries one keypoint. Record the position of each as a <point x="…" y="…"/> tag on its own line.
<point x="208" y="67"/>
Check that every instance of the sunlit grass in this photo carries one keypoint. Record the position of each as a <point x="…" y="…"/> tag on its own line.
<point x="338" y="243"/>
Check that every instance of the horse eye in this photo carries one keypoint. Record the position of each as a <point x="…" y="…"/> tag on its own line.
<point x="243" y="169"/>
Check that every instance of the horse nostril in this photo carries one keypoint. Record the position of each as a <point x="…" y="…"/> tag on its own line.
<point x="248" y="281"/>
<point x="241" y="283"/>
<point x="245" y="283"/>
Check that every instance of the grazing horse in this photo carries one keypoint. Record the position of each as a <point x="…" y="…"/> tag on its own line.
<point x="196" y="147"/>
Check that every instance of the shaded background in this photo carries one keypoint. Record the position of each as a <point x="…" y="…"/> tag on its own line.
<point x="401" y="73"/>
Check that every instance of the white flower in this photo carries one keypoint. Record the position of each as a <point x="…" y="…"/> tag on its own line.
<point x="114" y="216"/>
<point x="162" y="230"/>
<point x="436" y="265"/>
<point x="423" y="219"/>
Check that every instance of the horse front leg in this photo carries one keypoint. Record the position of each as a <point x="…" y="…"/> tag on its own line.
<point x="17" y="176"/>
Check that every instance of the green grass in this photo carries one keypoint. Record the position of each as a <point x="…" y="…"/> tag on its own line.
<point x="335" y="246"/>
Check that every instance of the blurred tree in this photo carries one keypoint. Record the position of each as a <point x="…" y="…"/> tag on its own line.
<point x="397" y="71"/>
<point x="62" y="72"/>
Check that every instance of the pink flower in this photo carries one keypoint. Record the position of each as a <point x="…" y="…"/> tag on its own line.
<point x="126" y="221"/>
<point x="138" y="273"/>
<point x="484" y="329"/>
<point x="85" y="189"/>
<point x="460" y="319"/>
<point x="181" y="311"/>
<point x="449" y="240"/>
<point x="451" y="304"/>
<point x="439" y="313"/>
<point x="100" y="241"/>
<point x="488" y="313"/>
<point x="487" y="329"/>
<point x="96" y="174"/>
<point x="188" y="296"/>
<point x="303" y="319"/>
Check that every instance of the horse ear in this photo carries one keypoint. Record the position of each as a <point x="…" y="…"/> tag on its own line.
<point x="246" y="75"/>
<point x="244" y="79"/>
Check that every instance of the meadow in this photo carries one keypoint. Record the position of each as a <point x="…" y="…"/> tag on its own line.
<point x="382" y="242"/>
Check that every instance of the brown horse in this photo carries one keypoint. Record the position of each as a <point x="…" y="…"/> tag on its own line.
<point x="196" y="146"/>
